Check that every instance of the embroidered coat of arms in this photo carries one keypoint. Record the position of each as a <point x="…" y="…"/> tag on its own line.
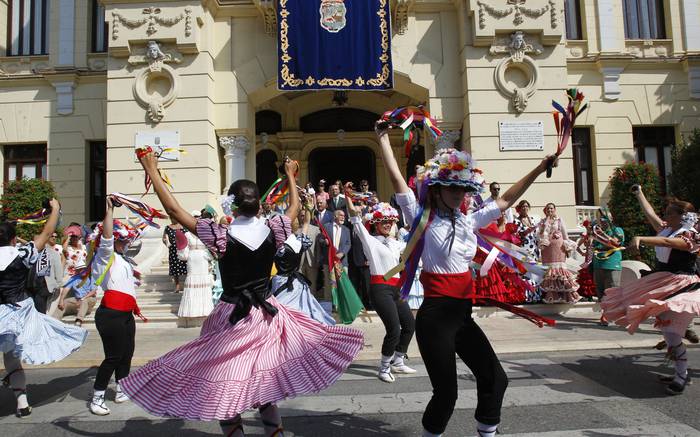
<point x="333" y="15"/>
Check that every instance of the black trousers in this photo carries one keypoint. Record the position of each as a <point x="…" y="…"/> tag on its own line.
<point x="117" y="330"/>
<point x="444" y="327"/>
<point x="397" y="318"/>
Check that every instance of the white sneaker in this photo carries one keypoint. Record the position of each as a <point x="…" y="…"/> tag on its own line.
<point x="385" y="375"/>
<point x="120" y="396"/>
<point x="98" y="406"/>
<point x="402" y="368"/>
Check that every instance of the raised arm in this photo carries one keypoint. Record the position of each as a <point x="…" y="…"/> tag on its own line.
<point x="294" y="203"/>
<point x="171" y="206"/>
<point x="50" y="226"/>
<point x="397" y="180"/>
<point x="108" y="221"/>
<point x="353" y="211"/>
<point x="518" y="189"/>
<point x="653" y="219"/>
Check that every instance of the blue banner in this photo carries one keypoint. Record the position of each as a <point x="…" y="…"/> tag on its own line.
<point x="334" y="44"/>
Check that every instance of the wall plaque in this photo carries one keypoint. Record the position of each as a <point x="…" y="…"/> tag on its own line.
<point x="520" y="135"/>
<point x="167" y="143"/>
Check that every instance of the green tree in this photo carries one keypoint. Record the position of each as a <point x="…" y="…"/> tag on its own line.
<point x="25" y="197"/>
<point x="625" y="208"/>
<point x="685" y="177"/>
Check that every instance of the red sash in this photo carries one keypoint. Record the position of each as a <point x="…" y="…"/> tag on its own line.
<point x="379" y="280"/>
<point x="457" y="285"/>
<point x="116" y="300"/>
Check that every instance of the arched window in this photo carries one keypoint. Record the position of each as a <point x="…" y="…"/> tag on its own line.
<point x="268" y="121"/>
<point x="332" y="120"/>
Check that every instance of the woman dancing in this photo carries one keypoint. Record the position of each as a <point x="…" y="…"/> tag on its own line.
<point x="383" y="253"/>
<point x="252" y="352"/>
<point x="290" y="287"/>
<point x="672" y="292"/>
<point x="114" y="318"/>
<point x="26" y="335"/>
<point x="444" y="325"/>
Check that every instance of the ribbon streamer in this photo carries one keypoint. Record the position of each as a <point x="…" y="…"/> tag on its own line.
<point x="147" y="213"/>
<point x="411" y="119"/>
<point x="279" y="190"/>
<point x="141" y="152"/>
<point x="565" y="119"/>
<point x="36" y="218"/>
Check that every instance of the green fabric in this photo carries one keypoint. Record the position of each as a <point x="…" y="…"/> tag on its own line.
<point x="346" y="300"/>
<point x="615" y="260"/>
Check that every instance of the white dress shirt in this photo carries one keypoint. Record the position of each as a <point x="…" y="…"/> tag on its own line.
<point x="510" y="218"/>
<point x="437" y="257"/>
<point x="383" y="254"/>
<point x="120" y="277"/>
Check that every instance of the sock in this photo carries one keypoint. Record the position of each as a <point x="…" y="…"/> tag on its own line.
<point x="98" y="394"/>
<point x="485" y="430"/>
<point x="271" y="419"/>
<point x="398" y="359"/>
<point x="21" y="396"/>
<point x="386" y="361"/>
<point x="430" y="434"/>
<point x="678" y="354"/>
<point x="232" y="427"/>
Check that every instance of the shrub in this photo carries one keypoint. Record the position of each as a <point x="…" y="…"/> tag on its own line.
<point x="25" y="197"/>
<point x="624" y="206"/>
<point x="685" y="177"/>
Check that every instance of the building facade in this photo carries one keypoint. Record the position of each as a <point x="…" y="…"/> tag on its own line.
<point x="82" y="80"/>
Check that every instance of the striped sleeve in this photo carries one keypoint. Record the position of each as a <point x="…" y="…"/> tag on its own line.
<point x="213" y="235"/>
<point x="281" y="227"/>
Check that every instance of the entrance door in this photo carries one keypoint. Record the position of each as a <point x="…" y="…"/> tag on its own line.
<point x="349" y="164"/>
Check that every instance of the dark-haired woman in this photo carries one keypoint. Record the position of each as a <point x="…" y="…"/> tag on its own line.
<point x="672" y="293"/>
<point x="527" y="232"/>
<point x="444" y="325"/>
<point x="383" y="253"/>
<point x="252" y="352"/>
<point x="25" y="334"/>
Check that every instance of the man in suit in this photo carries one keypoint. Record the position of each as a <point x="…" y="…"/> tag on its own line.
<point x="359" y="270"/>
<point x="323" y="214"/>
<point x="340" y="239"/>
<point x="309" y="262"/>
<point x="336" y="201"/>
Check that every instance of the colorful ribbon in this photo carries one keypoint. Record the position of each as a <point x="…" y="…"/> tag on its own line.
<point x="279" y="190"/>
<point x="141" y="152"/>
<point x="36" y="218"/>
<point x="565" y="119"/>
<point x="141" y="209"/>
<point x="411" y="119"/>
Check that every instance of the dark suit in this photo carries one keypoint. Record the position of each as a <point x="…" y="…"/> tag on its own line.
<point x="342" y="204"/>
<point x="344" y="246"/>
<point x="359" y="270"/>
<point x="325" y="217"/>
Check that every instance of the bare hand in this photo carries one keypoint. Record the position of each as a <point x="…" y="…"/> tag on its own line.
<point x="554" y="159"/>
<point x="634" y="244"/>
<point x="339" y="255"/>
<point x="381" y="127"/>
<point x="110" y="204"/>
<point x="55" y="205"/>
<point x="61" y="306"/>
<point x="149" y="162"/>
<point x="636" y="189"/>
<point x="290" y="167"/>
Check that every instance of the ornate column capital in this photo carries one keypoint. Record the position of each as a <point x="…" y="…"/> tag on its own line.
<point x="236" y="145"/>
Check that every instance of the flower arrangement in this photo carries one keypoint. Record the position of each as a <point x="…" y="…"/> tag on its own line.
<point x="451" y="167"/>
<point x="382" y="212"/>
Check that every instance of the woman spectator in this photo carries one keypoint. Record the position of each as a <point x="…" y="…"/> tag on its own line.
<point x="559" y="284"/>
<point x="527" y="227"/>
<point x="197" y="294"/>
<point x="177" y="268"/>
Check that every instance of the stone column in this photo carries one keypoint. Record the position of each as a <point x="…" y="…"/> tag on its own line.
<point x="236" y="148"/>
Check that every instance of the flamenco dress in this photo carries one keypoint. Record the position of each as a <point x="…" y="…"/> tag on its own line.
<point x="252" y="351"/>
<point x="290" y="287"/>
<point x="587" y="288"/>
<point x="559" y="284"/>
<point x="27" y="334"/>
<point x="671" y="293"/>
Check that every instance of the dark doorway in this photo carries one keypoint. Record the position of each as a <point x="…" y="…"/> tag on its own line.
<point x="266" y="169"/>
<point x="349" y="164"/>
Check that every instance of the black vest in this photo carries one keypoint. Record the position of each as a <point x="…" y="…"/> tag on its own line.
<point x="680" y="261"/>
<point x="13" y="282"/>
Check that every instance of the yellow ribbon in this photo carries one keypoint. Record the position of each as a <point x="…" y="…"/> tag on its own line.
<point x="415" y="238"/>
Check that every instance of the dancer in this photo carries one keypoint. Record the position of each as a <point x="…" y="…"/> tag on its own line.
<point x="25" y="334"/>
<point x="383" y="252"/>
<point x="672" y="292"/>
<point x="196" y="297"/>
<point x="252" y="352"/>
<point x="584" y="247"/>
<point x="114" y="317"/>
<point x="444" y="325"/>
<point x="290" y="287"/>
<point x="559" y="284"/>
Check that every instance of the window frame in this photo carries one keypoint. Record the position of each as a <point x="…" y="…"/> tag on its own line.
<point x="586" y="142"/>
<point x="94" y="22"/>
<point x="32" y="27"/>
<point x="660" y="23"/>
<point x="579" y="22"/>
<point x="20" y="163"/>
<point x="665" y="136"/>
<point x="96" y="208"/>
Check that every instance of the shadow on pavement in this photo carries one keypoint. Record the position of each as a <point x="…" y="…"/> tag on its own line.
<point x="570" y="323"/>
<point x="137" y="426"/>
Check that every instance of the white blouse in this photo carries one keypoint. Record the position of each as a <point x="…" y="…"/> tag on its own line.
<point x="383" y="254"/>
<point x="120" y="276"/>
<point x="437" y="257"/>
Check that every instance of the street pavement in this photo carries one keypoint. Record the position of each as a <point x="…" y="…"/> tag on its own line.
<point x="591" y="393"/>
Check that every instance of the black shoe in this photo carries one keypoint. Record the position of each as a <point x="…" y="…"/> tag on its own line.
<point x="667" y="379"/>
<point x="691" y="336"/>
<point x="675" y="388"/>
<point x="24" y="412"/>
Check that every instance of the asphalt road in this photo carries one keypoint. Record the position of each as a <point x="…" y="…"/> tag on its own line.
<point x="568" y="394"/>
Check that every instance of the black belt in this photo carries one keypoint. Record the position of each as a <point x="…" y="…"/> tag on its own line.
<point x="246" y="296"/>
<point x="289" y="285"/>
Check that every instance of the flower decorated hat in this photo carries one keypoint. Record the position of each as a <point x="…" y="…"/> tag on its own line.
<point x="451" y="167"/>
<point x="381" y="212"/>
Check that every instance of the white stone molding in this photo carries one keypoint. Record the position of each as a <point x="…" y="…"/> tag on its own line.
<point x="64" y="97"/>
<point x="447" y="139"/>
<point x="611" y="84"/>
<point x="153" y="19"/>
<point x="400" y="10"/>
<point x="517" y="47"/>
<point x="236" y="149"/>
<point x="694" y="81"/>
<point x="496" y="17"/>
<point x="691" y="25"/>
<point x="517" y="6"/>
<point x="155" y="104"/>
<point x="269" y="15"/>
<point x="607" y="27"/>
<point x="648" y="49"/>
<point x="66" y="33"/>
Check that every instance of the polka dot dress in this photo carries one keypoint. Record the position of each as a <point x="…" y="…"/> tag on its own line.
<point x="176" y="267"/>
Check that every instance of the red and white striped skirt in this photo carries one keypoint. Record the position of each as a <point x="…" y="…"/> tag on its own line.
<point x="232" y="368"/>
